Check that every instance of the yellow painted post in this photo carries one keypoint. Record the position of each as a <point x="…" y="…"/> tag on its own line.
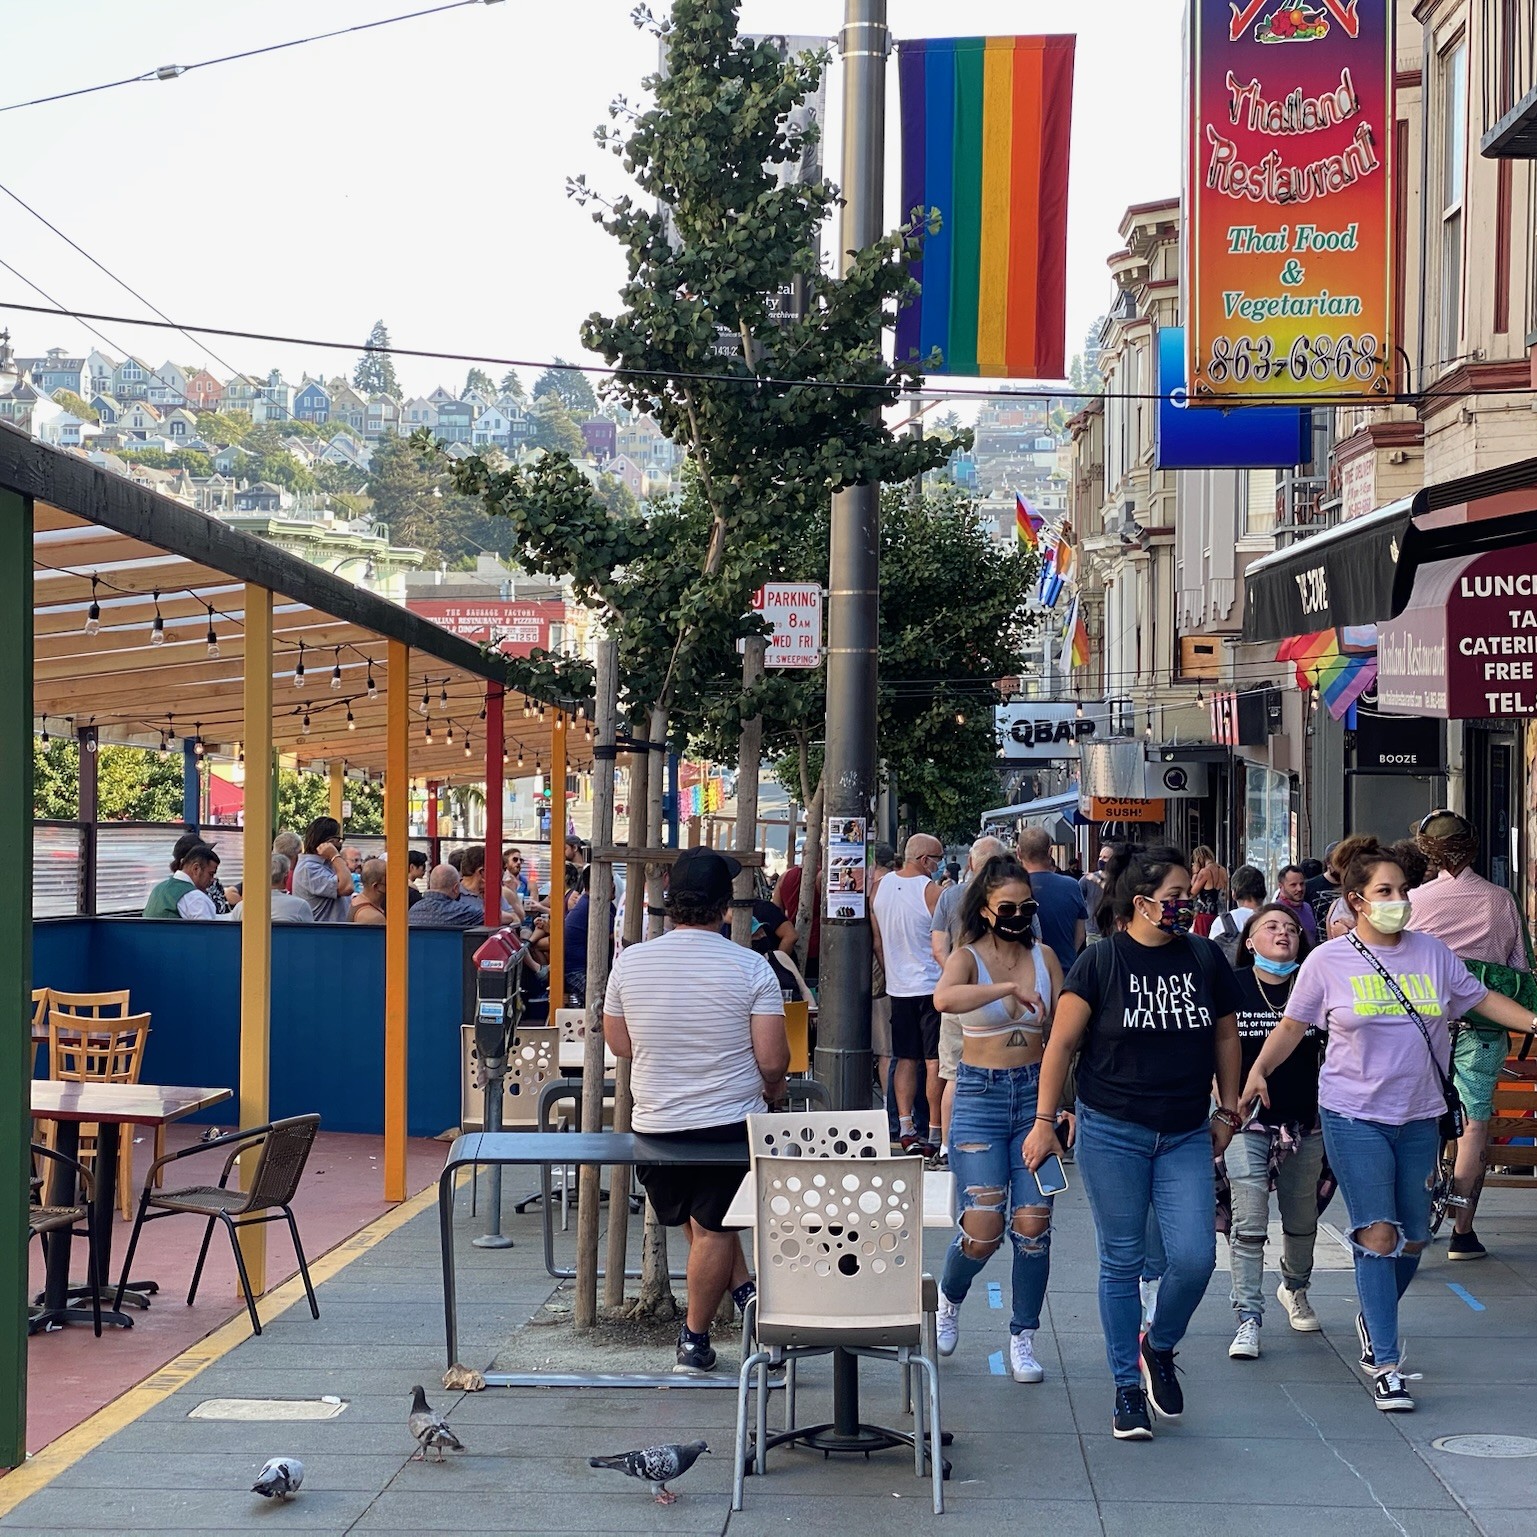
<point x="338" y="789"/>
<point x="256" y="923"/>
<point x="558" y="860"/>
<point x="397" y="793"/>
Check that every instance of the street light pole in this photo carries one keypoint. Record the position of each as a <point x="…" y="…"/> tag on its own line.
<point x="853" y="607"/>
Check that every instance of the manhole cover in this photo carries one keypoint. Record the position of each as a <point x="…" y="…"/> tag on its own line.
<point x="1486" y="1446"/>
<point x="268" y="1409"/>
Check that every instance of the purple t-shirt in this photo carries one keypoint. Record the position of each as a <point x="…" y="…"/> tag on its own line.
<point x="1376" y="1067"/>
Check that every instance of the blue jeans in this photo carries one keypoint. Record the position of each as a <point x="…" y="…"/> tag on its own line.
<point x="1384" y="1174"/>
<point x="1130" y="1171"/>
<point x="992" y="1112"/>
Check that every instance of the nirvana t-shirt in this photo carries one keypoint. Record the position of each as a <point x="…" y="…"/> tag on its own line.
<point x="1149" y="1053"/>
<point x="1294" y="1084"/>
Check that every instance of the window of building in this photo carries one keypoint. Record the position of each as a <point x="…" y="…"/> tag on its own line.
<point x="1454" y="165"/>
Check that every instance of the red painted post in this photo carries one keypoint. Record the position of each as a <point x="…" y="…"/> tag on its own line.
<point x="494" y="700"/>
<point x="433" y="849"/>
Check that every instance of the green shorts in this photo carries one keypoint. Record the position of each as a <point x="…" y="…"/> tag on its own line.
<point x="1476" y="1064"/>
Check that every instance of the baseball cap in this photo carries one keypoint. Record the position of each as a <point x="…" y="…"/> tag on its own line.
<point x="704" y="873"/>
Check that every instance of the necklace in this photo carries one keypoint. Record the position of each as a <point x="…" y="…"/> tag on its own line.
<point x="1266" y="998"/>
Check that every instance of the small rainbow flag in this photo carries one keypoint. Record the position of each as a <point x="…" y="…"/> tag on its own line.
<point x="1078" y="636"/>
<point x="986" y="129"/>
<point x="1026" y="524"/>
<point x="1340" y="664"/>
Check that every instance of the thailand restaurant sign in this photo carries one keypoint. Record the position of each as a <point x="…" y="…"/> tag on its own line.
<point x="1289" y="200"/>
<point x="1466" y="646"/>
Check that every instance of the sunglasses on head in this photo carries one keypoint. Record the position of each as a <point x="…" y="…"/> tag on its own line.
<point x="1025" y="909"/>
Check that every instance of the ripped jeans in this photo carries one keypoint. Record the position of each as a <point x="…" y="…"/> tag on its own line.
<point x="1384" y="1173"/>
<point x="993" y="1111"/>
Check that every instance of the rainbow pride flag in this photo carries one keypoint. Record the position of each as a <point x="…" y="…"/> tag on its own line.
<point x="1340" y="664"/>
<point x="1027" y="525"/>
<point x="986" y="129"/>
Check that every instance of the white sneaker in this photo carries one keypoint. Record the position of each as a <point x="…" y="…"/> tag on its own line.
<point x="1298" y="1309"/>
<point x="1245" y="1346"/>
<point x="1148" y="1291"/>
<point x="948" y="1325"/>
<point x="1022" y="1360"/>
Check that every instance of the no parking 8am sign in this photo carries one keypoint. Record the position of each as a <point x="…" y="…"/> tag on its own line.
<point x="794" y="609"/>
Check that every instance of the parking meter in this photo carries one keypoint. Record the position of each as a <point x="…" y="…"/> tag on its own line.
<point x="498" y="964"/>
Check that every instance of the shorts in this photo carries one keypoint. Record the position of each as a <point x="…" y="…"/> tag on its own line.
<point x="915" y="1029"/>
<point x="880" y="1025"/>
<point x="951" y="1040"/>
<point x="1476" y="1065"/>
<point x="702" y="1192"/>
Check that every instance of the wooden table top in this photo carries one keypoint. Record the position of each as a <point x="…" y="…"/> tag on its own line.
<point x="132" y="1104"/>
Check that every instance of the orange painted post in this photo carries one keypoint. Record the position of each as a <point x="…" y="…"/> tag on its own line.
<point x="558" y="862"/>
<point x="495" y="700"/>
<point x="397" y="793"/>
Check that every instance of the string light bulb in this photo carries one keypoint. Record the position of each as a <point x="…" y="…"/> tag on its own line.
<point x="305" y="728"/>
<point x="429" y="732"/>
<point x="504" y="755"/>
<point x="373" y="688"/>
<point x="426" y="703"/>
<point x="520" y="757"/>
<point x="450" y="733"/>
<point x="157" y="629"/>
<point x="93" y="613"/>
<point x="1078" y="712"/>
<point x="466" y="744"/>
<point x="46" y="737"/>
<point x="198" y="749"/>
<point x="352" y="724"/>
<point x="960" y="717"/>
<point x="299" y="668"/>
<point x="240" y="752"/>
<point x="213" y="639"/>
<point x="336" y="673"/>
<point x="528" y="709"/>
<point x="443" y="699"/>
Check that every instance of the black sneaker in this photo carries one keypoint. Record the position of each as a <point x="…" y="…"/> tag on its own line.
<point x="693" y="1356"/>
<point x="1368" y="1355"/>
<point x="1131" y="1422"/>
<point x="1465" y="1246"/>
<point x="1389" y="1393"/>
<point x="940" y="1160"/>
<point x="1163" y="1391"/>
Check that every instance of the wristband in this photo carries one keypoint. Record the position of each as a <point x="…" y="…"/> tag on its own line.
<point x="1228" y="1118"/>
<point x="1050" y="1120"/>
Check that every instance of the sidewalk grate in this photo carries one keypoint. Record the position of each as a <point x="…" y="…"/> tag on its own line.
<point x="1486" y="1446"/>
<point x="326" y="1408"/>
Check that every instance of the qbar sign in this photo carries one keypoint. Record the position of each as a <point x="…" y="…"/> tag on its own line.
<point x="1289" y="199"/>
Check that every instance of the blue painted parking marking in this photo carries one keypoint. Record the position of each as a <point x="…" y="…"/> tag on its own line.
<point x="1466" y="1295"/>
<point x="995" y="1363"/>
<point x="995" y="1294"/>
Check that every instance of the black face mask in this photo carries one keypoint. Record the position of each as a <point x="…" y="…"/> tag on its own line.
<point x="1016" y="925"/>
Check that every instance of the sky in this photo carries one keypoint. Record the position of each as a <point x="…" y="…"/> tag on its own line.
<point x="416" y="173"/>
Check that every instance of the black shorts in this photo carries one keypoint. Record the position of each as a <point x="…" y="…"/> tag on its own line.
<point x="702" y="1191"/>
<point x="914" y="1029"/>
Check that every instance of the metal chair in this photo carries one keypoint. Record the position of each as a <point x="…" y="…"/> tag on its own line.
<point x="43" y="1219"/>
<point x="838" y="1247"/>
<point x="285" y="1149"/>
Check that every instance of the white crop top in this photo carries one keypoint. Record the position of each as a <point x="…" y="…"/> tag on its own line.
<point x="993" y="1018"/>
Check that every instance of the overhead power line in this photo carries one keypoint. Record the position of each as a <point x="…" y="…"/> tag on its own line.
<point x="1064" y="391"/>
<point x="175" y="71"/>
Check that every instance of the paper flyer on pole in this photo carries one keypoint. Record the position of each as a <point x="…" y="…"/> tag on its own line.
<point x="846" y="860"/>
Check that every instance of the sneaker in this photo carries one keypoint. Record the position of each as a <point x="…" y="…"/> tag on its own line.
<point x="693" y="1356"/>
<point x="1148" y="1291"/>
<point x="1131" y="1422"/>
<point x="911" y="1142"/>
<point x="1389" y="1393"/>
<point x="1022" y="1360"/>
<point x="940" y="1161"/>
<point x="1465" y="1246"/>
<point x="1298" y="1309"/>
<point x="1245" y="1346"/>
<point x="947" y="1325"/>
<point x="1368" y="1355"/>
<point x="1163" y="1391"/>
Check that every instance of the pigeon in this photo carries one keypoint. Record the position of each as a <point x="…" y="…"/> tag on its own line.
<point x="656" y="1464"/>
<point x="430" y="1428"/>
<point x="279" y="1478"/>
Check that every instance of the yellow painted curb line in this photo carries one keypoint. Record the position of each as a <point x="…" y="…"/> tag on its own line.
<point x="39" y="1471"/>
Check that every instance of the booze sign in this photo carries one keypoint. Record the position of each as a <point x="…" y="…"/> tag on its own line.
<point x="794" y="610"/>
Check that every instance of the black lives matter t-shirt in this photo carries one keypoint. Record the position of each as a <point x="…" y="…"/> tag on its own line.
<point x="1294" y="1084"/>
<point x="1149" y="1053"/>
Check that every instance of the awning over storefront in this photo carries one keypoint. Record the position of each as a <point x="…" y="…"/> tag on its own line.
<point x="1058" y="814"/>
<point x="1363" y="571"/>
<point x="1466" y="645"/>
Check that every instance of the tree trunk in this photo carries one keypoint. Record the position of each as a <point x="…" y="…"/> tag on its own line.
<point x="589" y="1179"/>
<point x="639" y="832"/>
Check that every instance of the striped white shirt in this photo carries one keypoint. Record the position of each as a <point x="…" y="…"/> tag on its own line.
<point x="688" y="998"/>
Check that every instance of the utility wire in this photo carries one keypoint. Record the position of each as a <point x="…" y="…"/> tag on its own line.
<point x="763" y="381"/>
<point x="174" y="71"/>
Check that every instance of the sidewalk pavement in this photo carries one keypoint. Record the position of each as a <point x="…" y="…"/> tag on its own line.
<point x="1289" y="1443"/>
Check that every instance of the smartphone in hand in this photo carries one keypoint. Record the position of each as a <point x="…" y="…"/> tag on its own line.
<point x="1050" y="1177"/>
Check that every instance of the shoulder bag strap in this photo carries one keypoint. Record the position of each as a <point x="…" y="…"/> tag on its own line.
<point x="1410" y="1010"/>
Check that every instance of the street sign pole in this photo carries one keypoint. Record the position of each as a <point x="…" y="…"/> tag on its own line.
<point x="853" y="612"/>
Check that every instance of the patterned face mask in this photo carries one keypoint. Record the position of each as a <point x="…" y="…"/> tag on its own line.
<point x="1176" y="914"/>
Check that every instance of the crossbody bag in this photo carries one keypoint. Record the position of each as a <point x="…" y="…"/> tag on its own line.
<point x="1454" y="1119"/>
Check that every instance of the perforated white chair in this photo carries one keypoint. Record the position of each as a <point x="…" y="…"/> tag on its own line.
<point x="839" y="1253"/>
<point x="819" y="1134"/>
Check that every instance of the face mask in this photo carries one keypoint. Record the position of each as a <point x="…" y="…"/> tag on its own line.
<point x="357" y="883"/>
<point x="1275" y="968"/>
<point x="1388" y="917"/>
<point x="1015" y="928"/>
<point x="1176" y="915"/>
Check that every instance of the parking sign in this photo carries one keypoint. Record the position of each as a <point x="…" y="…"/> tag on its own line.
<point x="794" y="609"/>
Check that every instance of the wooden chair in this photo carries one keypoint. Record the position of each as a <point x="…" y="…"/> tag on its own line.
<point x="111" y="1053"/>
<point x="109" y="1005"/>
<point x="285" y="1149"/>
<point x="40" y="1009"/>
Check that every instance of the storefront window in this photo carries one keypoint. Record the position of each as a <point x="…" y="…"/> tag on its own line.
<point x="1267" y="843"/>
